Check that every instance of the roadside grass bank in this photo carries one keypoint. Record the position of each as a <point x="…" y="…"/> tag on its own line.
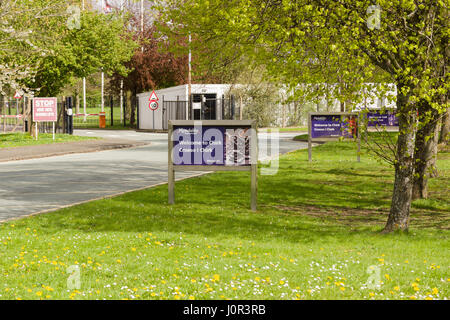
<point x="315" y="236"/>
<point x="9" y="140"/>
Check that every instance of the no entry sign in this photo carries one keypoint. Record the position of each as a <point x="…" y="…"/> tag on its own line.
<point x="45" y="110"/>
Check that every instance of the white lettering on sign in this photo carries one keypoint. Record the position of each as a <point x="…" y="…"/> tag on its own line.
<point x="45" y="109"/>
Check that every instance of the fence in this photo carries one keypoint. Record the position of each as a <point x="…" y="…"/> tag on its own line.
<point x="116" y="115"/>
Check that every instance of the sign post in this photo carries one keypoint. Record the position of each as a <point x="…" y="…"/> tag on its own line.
<point x="331" y="126"/>
<point x="45" y="110"/>
<point x="213" y="145"/>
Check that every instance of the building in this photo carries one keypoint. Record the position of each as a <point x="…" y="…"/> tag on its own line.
<point x="209" y="102"/>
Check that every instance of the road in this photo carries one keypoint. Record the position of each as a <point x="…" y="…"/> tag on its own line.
<point x="31" y="186"/>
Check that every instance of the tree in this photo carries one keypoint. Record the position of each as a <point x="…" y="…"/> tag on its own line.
<point x="152" y="65"/>
<point x="398" y="36"/>
<point x="99" y="43"/>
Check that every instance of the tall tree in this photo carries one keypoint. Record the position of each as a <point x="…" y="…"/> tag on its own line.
<point x="398" y="36"/>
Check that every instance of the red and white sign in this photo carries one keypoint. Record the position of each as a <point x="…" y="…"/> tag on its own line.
<point x="153" y="101"/>
<point x="45" y="109"/>
<point x="18" y="95"/>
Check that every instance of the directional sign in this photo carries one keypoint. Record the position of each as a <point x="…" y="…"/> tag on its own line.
<point x="153" y="101"/>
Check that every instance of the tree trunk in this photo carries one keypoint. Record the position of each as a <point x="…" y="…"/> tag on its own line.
<point x="445" y="129"/>
<point x="425" y="152"/>
<point x="404" y="168"/>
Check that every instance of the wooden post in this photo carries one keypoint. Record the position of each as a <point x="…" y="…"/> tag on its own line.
<point x="240" y="107"/>
<point x="309" y="138"/>
<point x="358" y="133"/>
<point x="254" y="165"/>
<point x="171" y="173"/>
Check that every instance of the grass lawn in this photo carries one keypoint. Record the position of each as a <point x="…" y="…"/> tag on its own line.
<point x="287" y="129"/>
<point x="315" y="236"/>
<point x="8" y="140"/>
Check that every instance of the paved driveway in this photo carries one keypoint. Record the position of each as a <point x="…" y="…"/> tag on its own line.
<point x="36" y="185"/>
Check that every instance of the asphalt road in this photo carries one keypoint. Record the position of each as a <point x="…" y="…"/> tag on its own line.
<point x="36" y="185"/>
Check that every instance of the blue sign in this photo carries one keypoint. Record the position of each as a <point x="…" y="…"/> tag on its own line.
<point x="333" y="126"/>
<point x="218" y="145"/>
<point x="381" y="118"/>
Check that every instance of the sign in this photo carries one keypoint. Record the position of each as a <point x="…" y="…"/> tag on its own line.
<point x="153" y="101"/>
<point x="381" y="118"/>
<point x="220" y="146"/>
<point x="332" y="126"/>
<point x="18" y="95"/>
<point x="213" y="145"/>
<point x="45" y="109"/>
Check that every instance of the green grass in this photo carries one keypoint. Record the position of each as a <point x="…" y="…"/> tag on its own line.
<point x="315" y="236"/>
<point x="288" y="129"/>
<point x="8" y="140"/>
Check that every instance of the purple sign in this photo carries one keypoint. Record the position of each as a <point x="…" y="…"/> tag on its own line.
<point x="333" y="126"/>
<point x="380" y="118"/>
<point x="220" y="145"/>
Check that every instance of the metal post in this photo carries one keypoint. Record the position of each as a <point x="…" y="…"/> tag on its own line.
<point x="84" y="99"/>
<point x="69" y="115"/>
<point x="171" y="173"/>
<point x="103" y="90"/>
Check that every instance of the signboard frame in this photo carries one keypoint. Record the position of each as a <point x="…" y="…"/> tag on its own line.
<point x="53" y="120"/>
<point x="253" y="167"/>
<point x="322" y="139"/>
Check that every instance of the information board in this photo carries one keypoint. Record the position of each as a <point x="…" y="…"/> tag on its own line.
<point x="381" y="118"/>
<point x="333" y="126"/>
<point x="205" y="145"/>
<point x="213" y="145"/>
<point x="325" y="126"/>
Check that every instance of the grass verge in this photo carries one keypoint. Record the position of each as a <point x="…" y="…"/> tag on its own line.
<point x="314" y="236"/>
<point x="8" y="140"/>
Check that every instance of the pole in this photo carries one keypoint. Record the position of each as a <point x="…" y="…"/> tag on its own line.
<point x="84" y="81"/>
<point x="103" y="90"/>
<point x="189" y="80"/>
<point x="171" y="173"/>
<point x="358" y="157"/>
<point x="111" y="103"/>
<point x="121" y="100"/>
<point x="142" y="22"/>
<point x="309" y="139"/>
<point x="53" y="131"/>
<point x="84" y="99"/>
<point x="254" y="167"/>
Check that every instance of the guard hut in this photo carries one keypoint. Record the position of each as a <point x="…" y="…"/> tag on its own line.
<point x="208" y="102"/>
